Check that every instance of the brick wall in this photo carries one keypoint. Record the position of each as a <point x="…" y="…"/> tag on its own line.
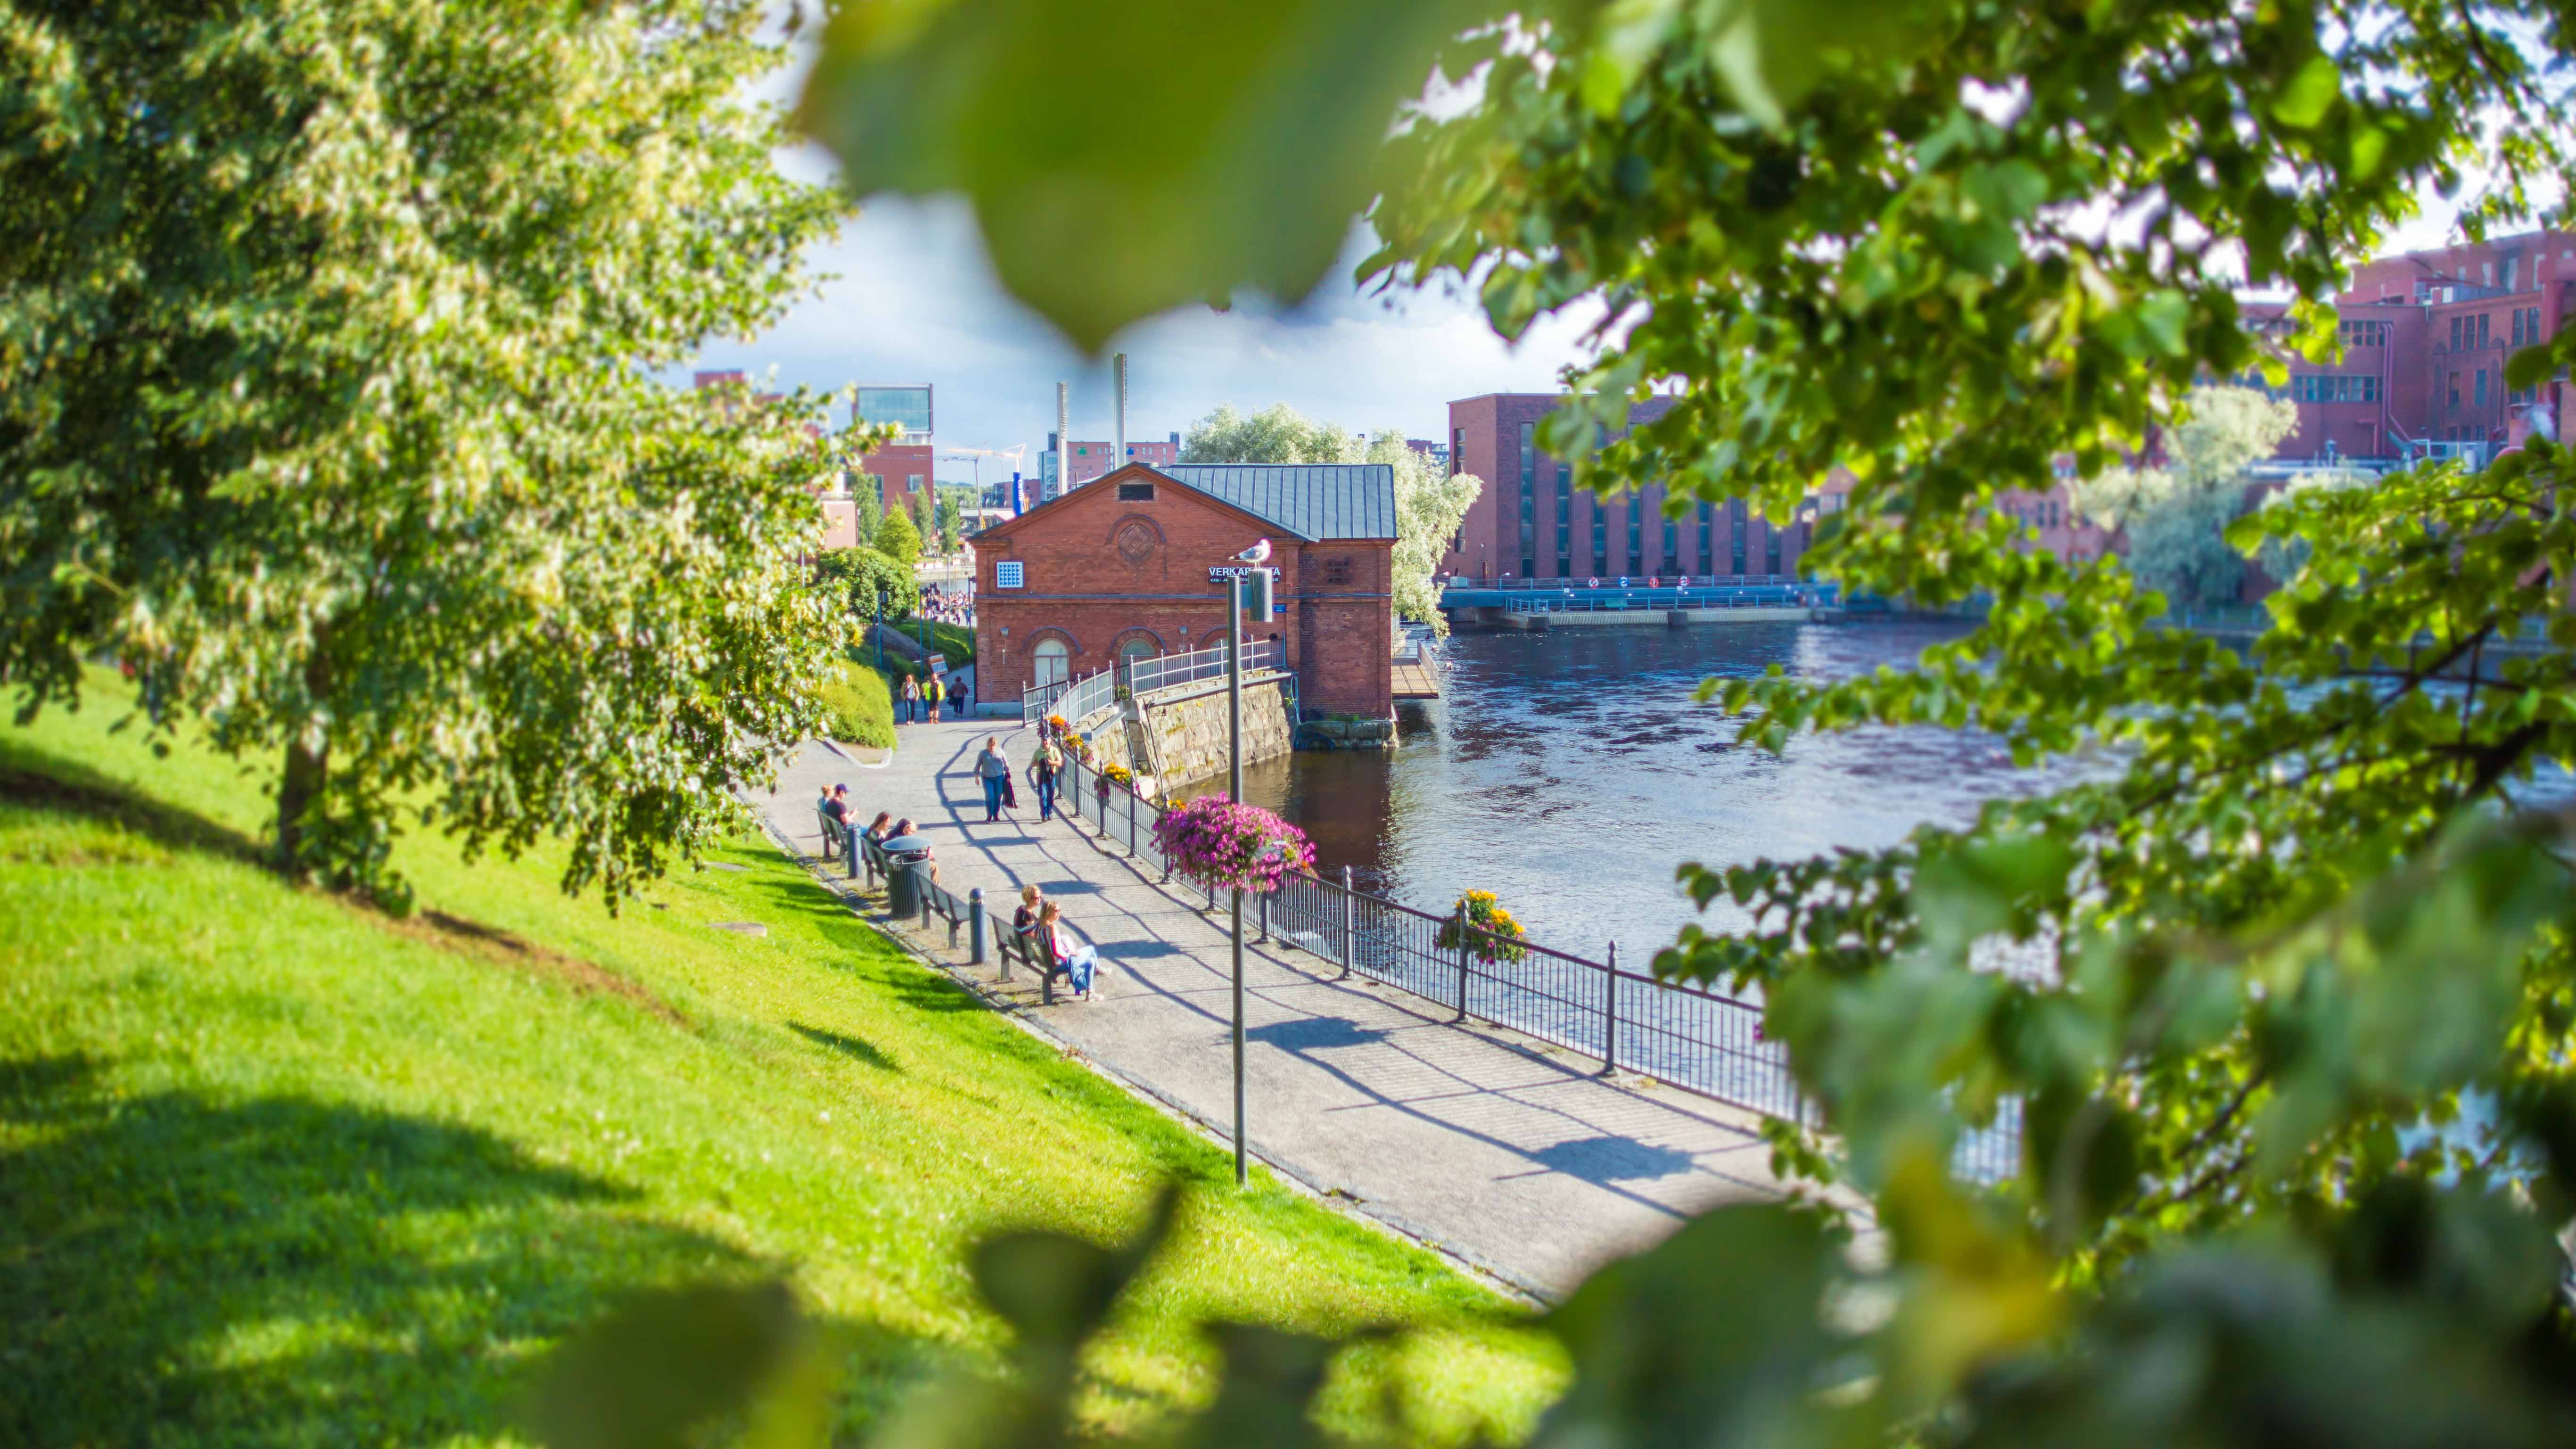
<point x="1100" y="571"/>
<point x="894" y="468"/>
<point x="1485" y="433"/>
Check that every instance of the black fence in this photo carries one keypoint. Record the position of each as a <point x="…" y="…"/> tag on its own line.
<point x="1699" y="1040"/>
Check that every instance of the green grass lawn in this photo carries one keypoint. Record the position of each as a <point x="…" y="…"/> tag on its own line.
<point x="276" y="1168"/>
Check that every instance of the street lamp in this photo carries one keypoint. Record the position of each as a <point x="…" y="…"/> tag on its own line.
<point x="1256" y="555"/>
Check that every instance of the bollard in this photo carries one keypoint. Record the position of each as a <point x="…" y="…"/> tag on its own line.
<point x="1610" y="1014"/>
<point x="1466" y="948"/>
<point x="975" y="926"/>
<point x="1346" y="920"/>
<point x="850" y="852"/>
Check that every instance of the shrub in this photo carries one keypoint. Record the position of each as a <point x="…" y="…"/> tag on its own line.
<point x="859" y="707"/>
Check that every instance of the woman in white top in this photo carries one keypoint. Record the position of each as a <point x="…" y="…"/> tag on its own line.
<point x="1076" y="962"/>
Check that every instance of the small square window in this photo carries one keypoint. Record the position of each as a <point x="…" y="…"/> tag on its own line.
<point x="1337" y="570"/>
<point x="1007" y="573"/>
<point x="1135" y="492"/>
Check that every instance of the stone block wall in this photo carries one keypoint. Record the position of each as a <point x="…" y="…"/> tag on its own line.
<point x="1189" y="728"/>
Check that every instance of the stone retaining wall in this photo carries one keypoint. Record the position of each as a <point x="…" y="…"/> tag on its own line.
<point x="1188" y="723"/>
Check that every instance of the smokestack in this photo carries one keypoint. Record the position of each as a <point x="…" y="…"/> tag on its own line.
<point x="1118" y="449"/>
<point x="1063" y="430"/>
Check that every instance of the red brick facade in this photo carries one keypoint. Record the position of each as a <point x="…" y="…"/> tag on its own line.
<point x="1530" y="522"/>
<point x="901" y="471"/>
<point x="1100" y="571"/>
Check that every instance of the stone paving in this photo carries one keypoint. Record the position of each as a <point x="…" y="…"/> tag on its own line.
<point x="1508" y="1154"/>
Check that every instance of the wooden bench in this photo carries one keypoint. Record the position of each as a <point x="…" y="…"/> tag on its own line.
<point x="1013" y="946"/>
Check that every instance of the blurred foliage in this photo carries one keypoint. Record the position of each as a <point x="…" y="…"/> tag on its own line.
<point x="326" y="410"/>
<point x="2278" y="1000"/>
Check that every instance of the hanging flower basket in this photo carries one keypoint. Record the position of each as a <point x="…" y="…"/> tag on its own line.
<point x="1115" y="775"/>
<point x="1479" y="923"/>
<point x="1224" y="845"/>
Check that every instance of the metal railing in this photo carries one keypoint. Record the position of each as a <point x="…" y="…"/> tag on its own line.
<point x="1608" y="601"/>
<point x="1077" y="699"/>
<point x="1636" y="581"/>
<point x="1166" y="670"/>
<point x="1702" y="1041"/>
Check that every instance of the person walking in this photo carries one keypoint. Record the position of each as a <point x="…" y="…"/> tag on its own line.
<point x="1074" y="963"/>
<point x="1044" y="767"/>
<point x="911" y="699"/>
<point x="930" y="692"/>
<point x="995" y="772"/>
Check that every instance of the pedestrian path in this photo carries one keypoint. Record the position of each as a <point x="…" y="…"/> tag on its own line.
<point x="1510" y="1154"/>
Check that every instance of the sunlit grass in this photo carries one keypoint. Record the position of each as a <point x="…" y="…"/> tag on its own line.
<point x="275" y="1167"/>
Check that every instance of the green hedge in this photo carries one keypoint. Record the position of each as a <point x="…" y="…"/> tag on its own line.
<point x="860" y="708"/>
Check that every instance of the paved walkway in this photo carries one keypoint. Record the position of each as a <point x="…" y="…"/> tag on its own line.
<point x="1509" y="1154"/>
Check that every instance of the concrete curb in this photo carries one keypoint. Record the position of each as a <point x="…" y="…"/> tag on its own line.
<point x="1492" y="1275"/>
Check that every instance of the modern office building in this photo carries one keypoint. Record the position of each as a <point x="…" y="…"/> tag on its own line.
<point x="906" y="468"/>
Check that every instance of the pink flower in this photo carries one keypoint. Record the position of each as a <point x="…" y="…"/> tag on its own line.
<point x="1222" y="843"/>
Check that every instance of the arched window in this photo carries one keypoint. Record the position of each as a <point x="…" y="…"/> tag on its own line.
<point x="1052" y="662"/>
<point x="1134" y="651"/>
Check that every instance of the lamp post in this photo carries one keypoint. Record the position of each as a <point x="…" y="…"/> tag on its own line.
<point x="1255" y="555"/>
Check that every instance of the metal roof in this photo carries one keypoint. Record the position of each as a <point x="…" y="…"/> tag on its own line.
<point x="1310" y="500"/>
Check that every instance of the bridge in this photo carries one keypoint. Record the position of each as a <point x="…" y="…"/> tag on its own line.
<point x="1650" y="601"/>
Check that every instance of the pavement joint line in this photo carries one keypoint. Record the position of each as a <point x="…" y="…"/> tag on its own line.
<point x="1339" y="1200"/>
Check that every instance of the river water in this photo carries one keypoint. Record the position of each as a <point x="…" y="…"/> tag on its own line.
<point x="1570" y="773"/>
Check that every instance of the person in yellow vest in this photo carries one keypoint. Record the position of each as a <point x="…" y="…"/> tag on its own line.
<point x="930" y="694"/>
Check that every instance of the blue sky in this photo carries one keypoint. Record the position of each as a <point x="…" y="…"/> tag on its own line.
<point x="915" y="301"/>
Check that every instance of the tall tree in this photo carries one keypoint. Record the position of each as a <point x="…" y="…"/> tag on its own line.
<point x="2175" y="517"/>
<point x="324" y="408"/>
<point x="1276" y="434"/>
<point x="1429" y="506"/>
<point x="898" y="540"/>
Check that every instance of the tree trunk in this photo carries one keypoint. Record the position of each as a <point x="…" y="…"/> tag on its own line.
<point x="299" y="789"/>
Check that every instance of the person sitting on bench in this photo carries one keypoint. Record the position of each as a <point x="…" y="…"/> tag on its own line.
<point x="876" y="832"/>
<point x="929" y="857"/>
<point x="1073" y="963"/>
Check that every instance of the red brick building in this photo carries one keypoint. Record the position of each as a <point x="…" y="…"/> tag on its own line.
<point x="1121" y="570"/>
<point x="2425" y="338"/>
<point x="1532" y="522"/>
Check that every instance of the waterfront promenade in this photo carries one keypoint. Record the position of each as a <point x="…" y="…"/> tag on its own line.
<point x="1513" y="1156"/>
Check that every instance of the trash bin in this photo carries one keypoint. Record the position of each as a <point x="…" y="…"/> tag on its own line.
<point x="907" y="873"/>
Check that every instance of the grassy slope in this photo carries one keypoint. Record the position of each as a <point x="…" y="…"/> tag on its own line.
<point x="274" y="1167"/>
